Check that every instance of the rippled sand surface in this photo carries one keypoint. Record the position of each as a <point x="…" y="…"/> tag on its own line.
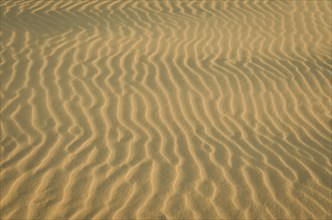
<point x="165" y="109"/>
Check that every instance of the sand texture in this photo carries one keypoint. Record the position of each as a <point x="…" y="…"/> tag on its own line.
<point x="166" y="109"/>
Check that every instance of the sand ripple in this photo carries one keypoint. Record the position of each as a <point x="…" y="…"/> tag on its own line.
<point x="165" y="109"/>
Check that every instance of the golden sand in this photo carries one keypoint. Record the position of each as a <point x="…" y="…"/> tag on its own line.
<point x="169" y="109"/>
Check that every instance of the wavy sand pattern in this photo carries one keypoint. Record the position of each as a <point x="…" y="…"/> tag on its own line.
<point x="165" y="109"/>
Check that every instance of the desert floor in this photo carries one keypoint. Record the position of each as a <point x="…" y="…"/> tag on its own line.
<point x="166" y="109"/>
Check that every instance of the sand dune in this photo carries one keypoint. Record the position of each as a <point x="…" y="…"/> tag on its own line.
<point x="166" y="109"/>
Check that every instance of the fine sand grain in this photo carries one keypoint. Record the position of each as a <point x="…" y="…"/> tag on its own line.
<point x="166" y="109"/>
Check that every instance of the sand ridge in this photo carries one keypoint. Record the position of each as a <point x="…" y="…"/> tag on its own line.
<point x="165" y="109"/>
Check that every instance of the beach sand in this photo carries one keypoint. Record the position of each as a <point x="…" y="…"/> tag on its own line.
<point x="166" y="109"/>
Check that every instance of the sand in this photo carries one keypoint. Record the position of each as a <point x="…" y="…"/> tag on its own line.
<point x="166" y="109"/>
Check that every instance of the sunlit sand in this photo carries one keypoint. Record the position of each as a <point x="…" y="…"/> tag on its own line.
<point x="165" y="109"/>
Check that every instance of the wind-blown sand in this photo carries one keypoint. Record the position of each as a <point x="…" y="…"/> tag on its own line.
<point x="166" y="109"/>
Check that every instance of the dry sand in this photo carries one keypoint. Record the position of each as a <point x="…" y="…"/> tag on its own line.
<point x="172" y="109"/>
